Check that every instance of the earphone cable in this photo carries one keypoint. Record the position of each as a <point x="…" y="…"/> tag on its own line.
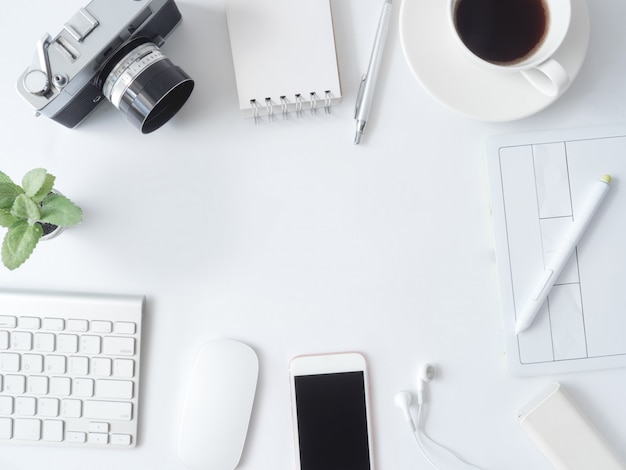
<point x="416" y="433"/>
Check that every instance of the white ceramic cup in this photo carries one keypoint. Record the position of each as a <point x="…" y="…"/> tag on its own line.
<point x="539" y="67"/>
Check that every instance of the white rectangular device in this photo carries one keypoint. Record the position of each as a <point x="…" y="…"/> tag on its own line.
<point x="69" y="369"/>
<point x="330" y="401"/>
<point x="564" y="435"/>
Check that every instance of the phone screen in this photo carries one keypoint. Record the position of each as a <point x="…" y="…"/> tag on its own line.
<point x="332" y="421"/>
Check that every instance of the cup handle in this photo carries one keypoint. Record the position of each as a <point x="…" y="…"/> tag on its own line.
<point x="549" y="77"/>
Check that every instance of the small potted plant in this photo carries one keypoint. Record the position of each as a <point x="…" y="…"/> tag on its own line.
<point x="31" y="211"/>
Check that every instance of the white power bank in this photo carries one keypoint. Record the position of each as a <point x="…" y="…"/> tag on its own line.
<point x="564" y="435"/>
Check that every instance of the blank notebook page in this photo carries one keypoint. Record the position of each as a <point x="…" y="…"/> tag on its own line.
<point x="283" y="48"/>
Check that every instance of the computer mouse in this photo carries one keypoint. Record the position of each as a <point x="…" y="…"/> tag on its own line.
<point x="218" y="404"/>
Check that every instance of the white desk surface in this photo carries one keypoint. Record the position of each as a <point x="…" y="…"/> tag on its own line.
<point x="292" y="239"/>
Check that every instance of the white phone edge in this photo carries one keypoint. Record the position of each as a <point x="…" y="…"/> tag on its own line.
<point x="563" y="434"/>
<point x="312" y="364"/>
<point x="329" y="363"/>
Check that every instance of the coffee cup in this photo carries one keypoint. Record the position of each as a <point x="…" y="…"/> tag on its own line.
<point x="515" y="36"/>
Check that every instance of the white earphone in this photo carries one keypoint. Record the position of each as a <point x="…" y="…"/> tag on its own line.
<point x="403" y="401"/>
<point x="426" y="374"/>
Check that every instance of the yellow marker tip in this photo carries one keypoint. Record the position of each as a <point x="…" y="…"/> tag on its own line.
<point x="606" y="179"/>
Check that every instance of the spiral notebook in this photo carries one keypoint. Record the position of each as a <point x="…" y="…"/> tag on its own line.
<point x="284" y="56"/>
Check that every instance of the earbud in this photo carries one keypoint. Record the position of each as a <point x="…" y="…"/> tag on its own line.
<point x="402" y="400"/>
<point x="426" y="374"/>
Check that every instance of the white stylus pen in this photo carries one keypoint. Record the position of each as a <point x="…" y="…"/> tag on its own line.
<point x="562" y="255"/>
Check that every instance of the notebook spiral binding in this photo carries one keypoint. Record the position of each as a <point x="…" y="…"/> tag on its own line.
<point x="298" y="105"/>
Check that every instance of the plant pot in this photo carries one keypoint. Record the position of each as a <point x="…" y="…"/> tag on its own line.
<point x="50" y="230"/>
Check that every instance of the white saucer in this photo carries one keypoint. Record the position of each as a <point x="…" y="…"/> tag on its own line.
<point x="443" y="69"/>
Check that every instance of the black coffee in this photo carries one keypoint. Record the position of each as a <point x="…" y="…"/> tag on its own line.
<point x="501" y="31"/>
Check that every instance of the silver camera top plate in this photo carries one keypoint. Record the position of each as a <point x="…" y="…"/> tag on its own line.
<point x="74" y="56"/>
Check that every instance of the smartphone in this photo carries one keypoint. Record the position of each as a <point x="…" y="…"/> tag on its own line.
<point x="329" y="395"/>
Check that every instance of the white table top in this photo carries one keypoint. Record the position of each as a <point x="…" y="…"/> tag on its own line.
<point x="292" y="239"/>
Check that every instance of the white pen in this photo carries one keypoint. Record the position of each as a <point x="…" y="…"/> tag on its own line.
<point x="368" y="81"/>
<point x="562" y="255"/>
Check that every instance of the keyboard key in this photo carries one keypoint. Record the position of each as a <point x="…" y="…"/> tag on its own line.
<point x="9" y="362"/>
<point x="98" y="438"/>
<point x="71" y="408"/>
<point x="77" y="325"/>
<point x="82" y="388"/>
<point x="37" y="385"/>
<point x="32" y="363"/>
<point x="4" y="340"/>
<point x="55" y="364"/>
<point x="49" y="407"/>
<point x="21" y="341"/>
<point x="121" y="439"/>
<point x="67" y="343"/>
<point x="52" y="430"/>
<point x="97" y="426"/>
<point x="118" y="346"/>
<point x="44" y="342"/>
<point x="25" y="406"/>
<point x="8" y="321"/>
<point x="14" y="384"/>
<point x="125" y="328"/>
<point x="114" y="389"/>
<point x="6" y="406"/>
<point x="101" y="326"/>
<point x="60" y="386"/>
<point x="124" y="368"/>
<point x="75" y="436"/>
<point x="78" y="365"/>
<point x="27" y="429"/>
<point x="101" y="366"/>
<point x="109" y="410"/>
<point x="29" y="323"/>
<point x="6" y="428"/>
<point x="53" y="324"/>
<point x="90" y="344"/>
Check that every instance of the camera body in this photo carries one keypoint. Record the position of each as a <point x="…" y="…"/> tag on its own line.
<point x="109" y="46"/>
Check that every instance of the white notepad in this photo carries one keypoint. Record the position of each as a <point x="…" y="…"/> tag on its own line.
<point x="538" y="182"/>
<point x="284" y="55"/>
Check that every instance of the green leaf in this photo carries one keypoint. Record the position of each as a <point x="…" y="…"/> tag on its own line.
<point x="59" y="210"/>
<point x="19" y="243"/>
<point x="8" y="192"/>
<point x="6" y="219"/>
<point x="25" y="208"/>
<point x="37" y="184"/>
<point x="4" y="178"/>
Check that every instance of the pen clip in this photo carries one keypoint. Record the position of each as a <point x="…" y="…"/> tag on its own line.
<point x="359" y="96"/>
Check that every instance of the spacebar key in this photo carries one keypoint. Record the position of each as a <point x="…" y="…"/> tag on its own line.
<point x="108" y="410"/>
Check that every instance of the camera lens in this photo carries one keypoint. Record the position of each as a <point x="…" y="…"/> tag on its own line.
<point x="144" y="84"/>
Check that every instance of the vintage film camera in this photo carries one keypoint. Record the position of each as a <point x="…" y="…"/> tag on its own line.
<point x="109" y="48"/>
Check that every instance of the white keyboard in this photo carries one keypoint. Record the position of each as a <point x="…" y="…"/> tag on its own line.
<point x="69" y="368"/>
